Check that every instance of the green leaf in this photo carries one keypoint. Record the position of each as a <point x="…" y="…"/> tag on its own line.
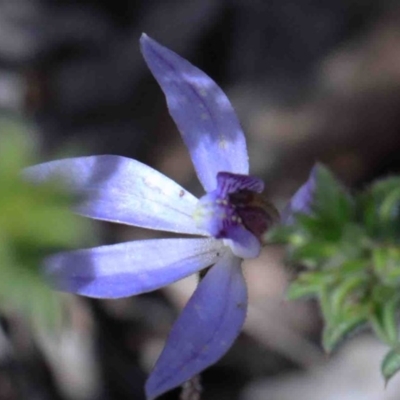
<point x="279" y="234"/>
<point x="349" y="288"/>
<point x="313" y="253"/>
<point x="319" y="227"/>
<point x="334" y="334"/>
<point x="308" y="284"/>
<point x="332" y="202"/>
<point x="380" y="206"/>
<point x="354" y="266"/>
<point x="297" y="290"/>
<point x="383" y="318"/>
<point x="351" y="249"/>
<point x="386" y="264"/>
<point x="390" y="364"/>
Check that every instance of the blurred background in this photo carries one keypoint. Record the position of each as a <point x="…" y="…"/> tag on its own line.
<point x="311" y="80"/>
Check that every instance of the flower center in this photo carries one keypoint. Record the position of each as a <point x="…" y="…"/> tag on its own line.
<point x="236" y="211"/>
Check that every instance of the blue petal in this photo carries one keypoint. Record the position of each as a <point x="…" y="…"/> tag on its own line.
<point x="242" y="242"/>
<point x="202" y="112"/>
<point x="207" y="327"/>
<point x="130" y="268"/>
<point x="122" y="190"/>
<point x="302" y="200"/>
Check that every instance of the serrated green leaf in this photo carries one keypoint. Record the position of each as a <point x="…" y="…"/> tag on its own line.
<point x="318" y="227"/>
<point x="332" y="203"/>
<point x="356" y="243"/>
<point x="390" y="364"/>
<point x="297" y="290"/>
<point x="386" y="264"/>
<point x="354" y="266"/>
<point x="389" y="207"/>
<point x="383" y="317"/>
<point x="309" y="284"/>
<point x="380" y="187"/>
<point x="349" y="287"/>
<point x="380" y="208"/>
<point x="313" y="253"/>
<point x="334" y="334"/>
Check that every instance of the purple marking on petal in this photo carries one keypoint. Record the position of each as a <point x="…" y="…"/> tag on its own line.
<point x="302" y="200"/>
<point x="230" y="183"/>
<point x="206" y="328"/>
<point x="122" y="190"/>
<point x="202" y="112"/>
<point x="130" y="268"/>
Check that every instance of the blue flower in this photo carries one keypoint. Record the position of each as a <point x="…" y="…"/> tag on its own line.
<point x="227" y="222"/>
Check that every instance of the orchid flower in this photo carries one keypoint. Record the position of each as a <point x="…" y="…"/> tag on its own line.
<point x="227" y="222"/>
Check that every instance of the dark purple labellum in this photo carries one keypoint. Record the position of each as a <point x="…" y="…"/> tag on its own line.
<point x="236" y="210"/>
<point x="256" y="213"/>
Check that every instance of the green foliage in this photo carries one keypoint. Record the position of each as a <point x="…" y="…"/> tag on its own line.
<point x="349" y="250"/>
<point x="34" y="221"/>
<point x="390" y="364"/>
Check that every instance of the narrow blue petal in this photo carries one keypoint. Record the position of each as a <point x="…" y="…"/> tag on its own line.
<point x="302" y="200"/>
<point x="202" y="112"/>
<point x="122" y="190"/>
<point x="206" y="329"/>
<point x="130" y="268"/>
